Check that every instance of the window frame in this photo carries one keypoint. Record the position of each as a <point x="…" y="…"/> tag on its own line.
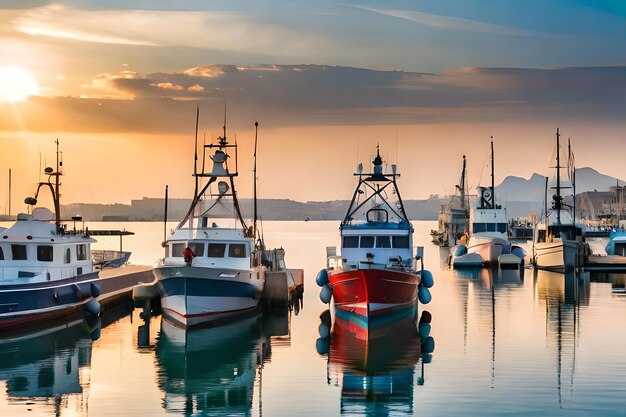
<point x="211" y="246"/>
<point x="382" y="238"/>
<point x="350" y="238"/>
<point x="405" y="241"/>
<point x="368" y="246"/>
<point x="40" y="253"/>
<point x="81" y="252"/>
<point x="14" y="246"/>
<point x="234" y="246"/>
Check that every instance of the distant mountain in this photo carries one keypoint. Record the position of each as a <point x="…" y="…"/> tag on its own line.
<point x="520" y="189"/>
<point x="533" y="189"/>
<point x="588" y="179"/>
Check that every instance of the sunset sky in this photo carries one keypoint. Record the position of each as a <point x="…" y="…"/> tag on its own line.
<point x="118" y="83"/>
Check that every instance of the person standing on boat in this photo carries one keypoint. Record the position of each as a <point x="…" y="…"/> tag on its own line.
<point x="188" y="255"/>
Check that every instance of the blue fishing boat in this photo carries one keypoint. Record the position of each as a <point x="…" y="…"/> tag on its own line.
<point x="46" y="270"/>
<point x="617" y="243"/>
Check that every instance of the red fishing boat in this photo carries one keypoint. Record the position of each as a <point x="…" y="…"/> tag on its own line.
<point x="377" y="271"/>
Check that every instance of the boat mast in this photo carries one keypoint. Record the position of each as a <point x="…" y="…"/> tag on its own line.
<point x="9" y="193"/>
<point x="195" y="151"/>
<point x="57" y="205"/>
<point x="557" y="200"/>
<point x="462" y="185"/>
<point x="256" y="136"/>
<point x="570" y="164"/>
<point x="493" y="187"/>
<point x="164" y="218"/>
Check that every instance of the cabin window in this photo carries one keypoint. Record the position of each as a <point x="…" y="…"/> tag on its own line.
<point x="490" y="227"/>
<point x="383" y="242"/>
<point x="177" y="250"/>
<point x="44" y="253"/>
<point x="197" y="248"/>
<point x="367" y="241"/>
<point x="237" y="250"/>
<point x="350" y="241"/>
<point x="480" y="227"/>
<point x="68" y="256"/>
<point x="81" y="252"/>
<point x="1" y="255"/>
<point x="216" y="250"/>
<point x="541" y="236"/>
<point x="400" y="241"/>
<point x="18" y="252"/>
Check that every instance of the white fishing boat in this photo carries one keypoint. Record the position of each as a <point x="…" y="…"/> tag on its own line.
<point x="225" y="275"/>
<point x="489" y="232"/>
<point x="453" y="220"/>
<point x="46" y="270"/>
<point x="556" y="241"/>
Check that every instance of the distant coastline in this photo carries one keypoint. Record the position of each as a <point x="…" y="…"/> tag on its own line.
<point x="596" y="196"/>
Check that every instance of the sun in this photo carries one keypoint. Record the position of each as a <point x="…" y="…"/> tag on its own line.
<point x="16" y="84"/>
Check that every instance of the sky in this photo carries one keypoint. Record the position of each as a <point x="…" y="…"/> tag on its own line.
<point x="118" y="82"/>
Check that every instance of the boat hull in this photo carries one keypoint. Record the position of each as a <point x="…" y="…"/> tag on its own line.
<point x="193" y="296"/>
<point x="489" y="248"/>
<point x="556" y="256"/>
<point x="373" y="292"/>
<point x="24" y="305"/>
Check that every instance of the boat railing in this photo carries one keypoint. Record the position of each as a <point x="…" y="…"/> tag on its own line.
<point x="109" y="258"/>
<point x="371" y="265"/>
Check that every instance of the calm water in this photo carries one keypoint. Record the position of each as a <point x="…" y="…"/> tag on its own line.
<point x="505" y="345"/>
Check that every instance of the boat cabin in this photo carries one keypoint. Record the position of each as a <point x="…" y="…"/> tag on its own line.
<point x="211" y="246"/>
<point x="488" y="216"/>
<point x="32" y="251"/>
<point x="376" y="244"/>
<point x="557" y="228"/>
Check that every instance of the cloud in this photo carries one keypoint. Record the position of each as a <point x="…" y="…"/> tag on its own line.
<point x="169" y="86"/>
<point x="450" y="22"/>
<point x="314" y="95"/>
<point x="224" y="31"/>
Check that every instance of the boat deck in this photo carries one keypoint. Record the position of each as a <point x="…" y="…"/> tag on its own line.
<point x="605" y="263"/>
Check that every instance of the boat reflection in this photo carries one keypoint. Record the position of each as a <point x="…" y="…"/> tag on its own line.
<point x="562" y="295"/>
<point x="376" y="367"/>
<point x="49" y="364"/>
<point x="211" y="371"/>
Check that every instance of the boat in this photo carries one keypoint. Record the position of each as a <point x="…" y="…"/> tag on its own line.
<point x="225" y="274"/>
<point x="617" y="243"/>
<point x="377" y="372"/>
<point x="48" y="369"/>
<point x="453" y="220"/>
<point x="556" y="241"/>
<point x="521" y="228"/>
<point x="212" y="370"/>
<point x="46" y="269"/>
<point x="376" y="272"/>
<point x="488" y="239"/>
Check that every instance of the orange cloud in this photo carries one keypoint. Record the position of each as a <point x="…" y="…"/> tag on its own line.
<point x="169" y="86"/>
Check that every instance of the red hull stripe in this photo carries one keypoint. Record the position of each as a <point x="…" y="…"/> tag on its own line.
<point x="373" y="286"/>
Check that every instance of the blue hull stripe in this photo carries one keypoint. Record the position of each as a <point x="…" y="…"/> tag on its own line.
<point x="205" y="287"/>
<point x="17" y="302"/>
<point x="373" y="322"/>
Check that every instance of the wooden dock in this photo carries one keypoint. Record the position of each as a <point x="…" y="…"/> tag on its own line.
<point x="118" y="282"/>
<point x="614" y="263"/>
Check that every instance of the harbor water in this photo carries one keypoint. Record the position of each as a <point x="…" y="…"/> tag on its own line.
<point x="505" y="343"/>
